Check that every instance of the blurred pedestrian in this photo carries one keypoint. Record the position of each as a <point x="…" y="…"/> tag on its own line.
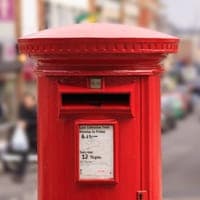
<point x="27" y="122"/>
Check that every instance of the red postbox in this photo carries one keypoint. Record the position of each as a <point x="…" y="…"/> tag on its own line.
<point x="99" y="111"/>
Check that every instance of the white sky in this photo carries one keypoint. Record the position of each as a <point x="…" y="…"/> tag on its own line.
<point x="183" y="13"/>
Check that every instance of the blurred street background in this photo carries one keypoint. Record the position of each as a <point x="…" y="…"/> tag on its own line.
<point x="180" y="87"/>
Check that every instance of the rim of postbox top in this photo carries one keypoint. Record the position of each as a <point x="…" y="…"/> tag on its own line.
<point x="99" y="39"/>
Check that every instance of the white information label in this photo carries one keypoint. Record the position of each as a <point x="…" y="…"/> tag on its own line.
<point x="96" y="152"/>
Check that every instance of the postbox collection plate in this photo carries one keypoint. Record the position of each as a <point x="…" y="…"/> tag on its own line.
<point x="97" y="150"/>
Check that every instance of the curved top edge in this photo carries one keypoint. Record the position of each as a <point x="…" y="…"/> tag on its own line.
<point x="98" y="30"/>
<point x="97" y="39"/>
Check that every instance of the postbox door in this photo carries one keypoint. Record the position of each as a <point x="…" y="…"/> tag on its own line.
<point x="104" y="153"/>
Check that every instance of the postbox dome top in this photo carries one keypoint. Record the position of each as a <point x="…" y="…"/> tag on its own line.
<point x="97" y="38"/>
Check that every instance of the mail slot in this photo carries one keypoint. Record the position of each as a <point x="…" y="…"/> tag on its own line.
<point x="111" y="100"/>
<point x="96" y="99"/>
<point x="99" y="110"/>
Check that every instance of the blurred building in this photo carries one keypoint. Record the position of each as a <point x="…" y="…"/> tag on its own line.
<point x="17" y="17"/>
<point x="149" y="13"/>
<point x="137" y="12"/>
<point x="61" y="12"/>
<point x="9" y="64"/>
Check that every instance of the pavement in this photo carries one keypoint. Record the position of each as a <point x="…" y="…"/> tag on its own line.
<point x="181" y="167"/>
<point x="10" y="190"/>
<point x="181" y="161"/>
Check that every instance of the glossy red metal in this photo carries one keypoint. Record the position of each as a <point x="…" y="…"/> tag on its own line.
<point x="99" y="74"/>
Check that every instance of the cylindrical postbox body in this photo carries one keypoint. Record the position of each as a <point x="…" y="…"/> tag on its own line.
<point x="99" y="111"/>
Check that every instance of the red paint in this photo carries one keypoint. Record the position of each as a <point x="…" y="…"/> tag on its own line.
<point x="127" y="59"/>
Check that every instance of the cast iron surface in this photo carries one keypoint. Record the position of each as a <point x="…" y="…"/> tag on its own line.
<point x="98" y="39"/>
